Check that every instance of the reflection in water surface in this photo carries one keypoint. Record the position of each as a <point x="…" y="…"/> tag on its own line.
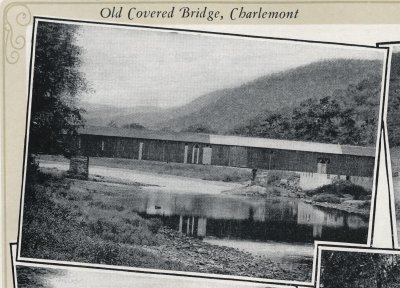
<point x="247" y="218"/>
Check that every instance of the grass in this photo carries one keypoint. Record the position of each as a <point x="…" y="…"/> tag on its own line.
<point x="205" y="172"/>
<point x="275" y="177"/>
<point x="28" y="277"/>
<point x="75" y="220"/>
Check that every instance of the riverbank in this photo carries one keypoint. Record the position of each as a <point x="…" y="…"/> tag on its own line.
<point x="360" y="207"/>
<point x="151" y="181"/>
<point x="93" y="222"/>
<point x="178" y="177"/>
<point x="209" y="258"/>
<point x="204" y="172"/>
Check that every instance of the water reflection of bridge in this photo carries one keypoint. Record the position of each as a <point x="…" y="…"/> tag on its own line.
<point x="250" y="218"/>
<point x="196" y="226"/>
<point x="318" y="218"/>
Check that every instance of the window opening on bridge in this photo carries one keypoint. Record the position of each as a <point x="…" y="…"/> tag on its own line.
<point x="322" y="166"/>
<point x="195" y="154"/>
<point x="140" y="154"/>
<point x="207" y="152"/>
<point x="270" y="155"/>
<point x="185" y="154"/>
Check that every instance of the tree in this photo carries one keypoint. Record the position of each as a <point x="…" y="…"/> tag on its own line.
<point x="363" y="98"/>
<point x="275" y="125"/>
<point x="57" y="85"/>
<point x="198" y="128"/>
<point x="394" y="102"/>
<point x="350" y="116"/>
<point x="112" y="124"/>
<point x="134" y="126"/>
<point x="356" y="269"/>
<point x="325" y="120"/>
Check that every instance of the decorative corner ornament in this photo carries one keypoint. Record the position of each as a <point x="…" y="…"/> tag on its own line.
<point x="16" y="18"/>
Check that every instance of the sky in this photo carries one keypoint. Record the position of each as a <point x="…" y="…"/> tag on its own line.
<point x="67" y="277"/>
<point x="396" y="49"/>
<point x="128" y="67"/>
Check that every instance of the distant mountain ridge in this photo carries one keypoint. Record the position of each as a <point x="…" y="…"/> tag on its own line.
<point x="224" y="109"/>
<point x="102" y="114"/>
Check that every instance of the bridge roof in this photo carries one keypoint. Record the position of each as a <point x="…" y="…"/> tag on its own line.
<point x="228" y="140"/>
<point x="145" y="134"/>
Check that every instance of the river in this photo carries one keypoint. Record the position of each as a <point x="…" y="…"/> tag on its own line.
<point x="282" y="229"/>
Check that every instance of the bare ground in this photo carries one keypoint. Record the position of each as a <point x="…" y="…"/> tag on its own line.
<point x="208" y="258"/>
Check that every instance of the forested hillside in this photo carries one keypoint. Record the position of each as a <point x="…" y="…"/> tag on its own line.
<point x="334" y="78"/>
<point x="349" y="116"/>
<point x="393" y="115"/>
<point x="332" y="101"/>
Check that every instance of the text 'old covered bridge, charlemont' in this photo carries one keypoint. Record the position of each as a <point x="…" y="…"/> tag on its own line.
<point x="316" y="161"/>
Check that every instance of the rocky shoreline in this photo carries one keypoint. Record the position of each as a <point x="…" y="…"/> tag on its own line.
<point x="203" y="257"/>
<point x="352" y="207"/>
<point x="360" y="207"/>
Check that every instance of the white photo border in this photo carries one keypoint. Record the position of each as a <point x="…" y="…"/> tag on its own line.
<point x="380" y="129"/>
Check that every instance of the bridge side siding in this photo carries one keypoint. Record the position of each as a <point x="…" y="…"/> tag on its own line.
<point x="224" y="155"/>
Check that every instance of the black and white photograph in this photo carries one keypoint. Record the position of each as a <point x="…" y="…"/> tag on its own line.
<point x="56" y="277"/>
<point x="197" y="153"/>
<point x="360" y="269"/>
<point x="393" y="126"/>
<point x="28" y="275"/>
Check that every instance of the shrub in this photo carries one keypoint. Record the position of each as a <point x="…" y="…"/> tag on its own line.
<point x="230" y="177"/>
<point x="347" y="187"/>
<point x="61" y="229"/>
<point x="364" y="205"/>
<point x="119" y="208"/>
<point x="87" y="197"/>
<point x="365" y="197"/>
<point x="33" y="276"/>
<point x="154" y="225"/>
<point x="276" y="192"/>
<point x="273" y="177"/>
<point x="329" y="198"/>
<point x="339" y="188"/>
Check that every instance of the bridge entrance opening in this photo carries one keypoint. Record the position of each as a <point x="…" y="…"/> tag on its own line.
<point x="322" y="166"/>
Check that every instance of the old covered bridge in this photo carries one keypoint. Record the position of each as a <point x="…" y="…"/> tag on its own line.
<point x="307" y="158"/>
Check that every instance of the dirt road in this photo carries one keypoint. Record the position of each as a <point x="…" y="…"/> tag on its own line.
<point x="168" y="183"/>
